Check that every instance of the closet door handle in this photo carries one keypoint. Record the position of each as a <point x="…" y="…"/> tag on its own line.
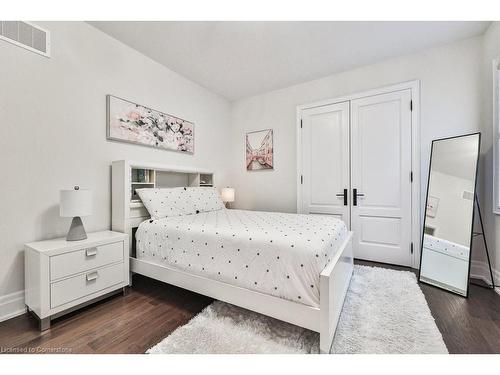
<point x="355" y="196"/>
<point x="343" y="195"/>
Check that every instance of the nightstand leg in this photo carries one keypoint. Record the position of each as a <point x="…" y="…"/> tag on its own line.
<point x="44" y="324"/>
<point x="125" y="290"/>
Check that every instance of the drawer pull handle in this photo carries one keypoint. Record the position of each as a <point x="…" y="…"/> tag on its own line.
<point x="91" y="252"/>
<point x="92" y="276"/>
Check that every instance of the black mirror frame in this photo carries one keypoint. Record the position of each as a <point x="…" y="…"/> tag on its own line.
<point x="473" y="212"/>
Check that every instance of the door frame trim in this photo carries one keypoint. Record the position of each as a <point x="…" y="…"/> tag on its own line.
<point x="416" y="199"/>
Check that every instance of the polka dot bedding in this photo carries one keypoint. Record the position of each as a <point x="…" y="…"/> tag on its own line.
<point x="273" y="253"/>
<point x="166" y="202"/>
<point x="204" y="199"/>
<point x="446" y="247"/>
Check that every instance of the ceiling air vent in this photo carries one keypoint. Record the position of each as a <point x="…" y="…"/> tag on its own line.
<point x="26" y="35"/>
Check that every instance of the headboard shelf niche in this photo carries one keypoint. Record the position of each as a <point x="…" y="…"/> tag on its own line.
<point x="206" y="179"/>
<point x="127" y="210"/>
<point x="141" y="178"/>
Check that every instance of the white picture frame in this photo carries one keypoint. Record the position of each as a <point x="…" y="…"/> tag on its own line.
<point x="137" y="124"/>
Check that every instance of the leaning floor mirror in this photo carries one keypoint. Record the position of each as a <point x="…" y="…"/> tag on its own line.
<point x="447" y="232"/>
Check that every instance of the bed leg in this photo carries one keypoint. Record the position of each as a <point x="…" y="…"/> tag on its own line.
<point x="324" y="350"/>
<point x="334" y="282"/>
<point x="325" y="342"/>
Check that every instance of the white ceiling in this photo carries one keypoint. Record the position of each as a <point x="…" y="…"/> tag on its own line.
<point x="240" y="59"/>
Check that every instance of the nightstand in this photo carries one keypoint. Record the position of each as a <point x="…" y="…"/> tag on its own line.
<point x="61" y="276"/>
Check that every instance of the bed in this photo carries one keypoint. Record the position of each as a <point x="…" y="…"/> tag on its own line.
<point x="295" y="268"/>
<point x="277" y="254"/>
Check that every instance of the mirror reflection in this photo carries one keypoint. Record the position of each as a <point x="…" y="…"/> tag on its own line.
<point x="445" y="254"/>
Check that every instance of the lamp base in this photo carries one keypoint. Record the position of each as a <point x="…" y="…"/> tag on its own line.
<point x="76" y="230"/>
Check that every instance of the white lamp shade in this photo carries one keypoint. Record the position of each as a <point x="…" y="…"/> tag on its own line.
<point x="227" y="195"/>
<point x="75" y="203"/>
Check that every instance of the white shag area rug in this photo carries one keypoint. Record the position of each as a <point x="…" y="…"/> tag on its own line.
<point x="384" y="312"/>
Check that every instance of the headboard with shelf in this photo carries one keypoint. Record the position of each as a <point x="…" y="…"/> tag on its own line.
<point x="127" y="210"/>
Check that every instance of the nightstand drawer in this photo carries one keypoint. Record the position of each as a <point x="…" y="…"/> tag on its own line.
<point x="76" y="287"/>
<point x="82" y="260"/>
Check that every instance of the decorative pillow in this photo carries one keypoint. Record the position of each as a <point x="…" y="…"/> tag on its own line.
<point x="205" y="199"/>
<point x="166" y="202"/>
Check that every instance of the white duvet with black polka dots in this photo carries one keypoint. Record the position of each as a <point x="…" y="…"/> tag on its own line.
<point x="274" y="253"/>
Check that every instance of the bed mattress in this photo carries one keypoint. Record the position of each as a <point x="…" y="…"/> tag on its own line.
<point x="273" y="253"/>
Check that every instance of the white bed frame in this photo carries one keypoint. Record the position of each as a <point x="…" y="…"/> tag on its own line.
<point x="334" y="279"/>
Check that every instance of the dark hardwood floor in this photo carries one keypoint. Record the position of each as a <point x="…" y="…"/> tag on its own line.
<point x="151" y="310"/>
<point x="132" y="323"/>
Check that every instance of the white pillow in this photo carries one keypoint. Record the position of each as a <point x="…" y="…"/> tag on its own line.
<point x="205" y="199"/>
<point x="166" y="202"/>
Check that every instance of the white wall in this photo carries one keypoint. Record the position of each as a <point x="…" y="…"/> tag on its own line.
<point x="491" y="44"/>
<point x="450" y="105"/>
<point x="53" y="132"/>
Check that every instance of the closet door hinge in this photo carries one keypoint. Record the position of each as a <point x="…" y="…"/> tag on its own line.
<point x="411" y="248"/>
<point x="411" y="176"/>
<point x="411" y="105"/>
<point x="301" y="123"/>
<point x="301" y="179"/>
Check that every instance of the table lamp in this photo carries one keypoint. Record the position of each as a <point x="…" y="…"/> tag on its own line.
<point x="227" y="195"/>
<point x="76" y="203"/>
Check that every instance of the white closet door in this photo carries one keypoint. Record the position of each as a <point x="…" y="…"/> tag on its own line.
<point x="325" y="160"/>
<point x="380" y="172"/>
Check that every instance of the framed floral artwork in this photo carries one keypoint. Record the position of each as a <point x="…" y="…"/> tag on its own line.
<point x="259" y="154"/>
<point x="134" y="123"/>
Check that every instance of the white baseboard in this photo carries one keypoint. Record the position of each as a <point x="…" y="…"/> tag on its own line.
<point x="480" y="270"/>
<point x="12" y="305"/>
